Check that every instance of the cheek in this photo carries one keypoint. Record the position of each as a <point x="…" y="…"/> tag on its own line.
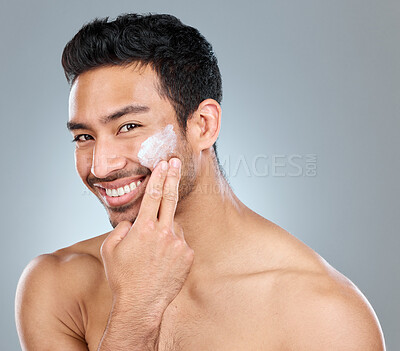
<point x="83" y="163"/>
<point x="159" y="146"/>
<point x="130" y="149"/>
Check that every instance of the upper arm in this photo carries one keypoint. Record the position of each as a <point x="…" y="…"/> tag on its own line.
<point x="338" y="319"/>
<point x="41" y="309"/>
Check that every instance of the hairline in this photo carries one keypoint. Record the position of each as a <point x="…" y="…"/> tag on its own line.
<point x="140" y="64"/>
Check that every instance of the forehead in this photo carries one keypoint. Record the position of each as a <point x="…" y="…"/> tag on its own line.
<point x="103" y="90"/>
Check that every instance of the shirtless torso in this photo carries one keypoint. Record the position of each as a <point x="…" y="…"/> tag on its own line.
<point x="197" y="270"/>
<point x="270" y="292"/>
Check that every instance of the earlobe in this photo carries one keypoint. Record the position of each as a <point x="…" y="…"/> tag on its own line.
<point x="205" y="124"/>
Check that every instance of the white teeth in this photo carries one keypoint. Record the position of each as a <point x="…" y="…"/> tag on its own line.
<point x="123" y="190"/>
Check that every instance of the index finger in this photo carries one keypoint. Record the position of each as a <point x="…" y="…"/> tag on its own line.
<point x="153" y="193"/>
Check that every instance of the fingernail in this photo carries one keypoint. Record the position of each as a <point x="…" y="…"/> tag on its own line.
<point x="164" y="165"/>
<point x="175" y="162"/>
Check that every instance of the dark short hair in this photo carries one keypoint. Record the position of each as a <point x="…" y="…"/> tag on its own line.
<point x="182" y="58"/>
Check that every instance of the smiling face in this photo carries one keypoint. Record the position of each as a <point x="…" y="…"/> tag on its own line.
<point x="115" y="112"/>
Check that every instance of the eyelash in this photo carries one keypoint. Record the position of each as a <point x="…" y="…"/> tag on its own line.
<point x="76" y="138"/>
<point x="129" y="124"/>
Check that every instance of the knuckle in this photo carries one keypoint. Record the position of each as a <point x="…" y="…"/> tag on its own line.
<point x="166" y="230"/>
<point x="179" y="244"/>
<point x="173" y="172"/>
<point x="154" y="193"/>
<point x="164" y="233"/>
<point x="147" y="226"/>
<point x="170" y="195"/>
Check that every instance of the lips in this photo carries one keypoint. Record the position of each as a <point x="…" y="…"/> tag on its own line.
<point x="115" y="184"/>
<point x="121" y="191"/>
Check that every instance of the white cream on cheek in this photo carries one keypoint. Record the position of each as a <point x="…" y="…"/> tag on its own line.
<point x="157" y="147"/>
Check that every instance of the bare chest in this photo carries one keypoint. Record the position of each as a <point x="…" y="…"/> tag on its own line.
<point x="218" y="321"/>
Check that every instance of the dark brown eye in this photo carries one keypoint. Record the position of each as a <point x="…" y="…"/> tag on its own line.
<point x="82" y="137"/>
<point x="127" y="127"/>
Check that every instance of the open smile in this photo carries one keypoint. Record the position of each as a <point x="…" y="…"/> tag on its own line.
<point x="122" y="191"/>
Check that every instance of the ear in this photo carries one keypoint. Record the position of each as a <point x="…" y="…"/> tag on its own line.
<point x="204" y="125"/>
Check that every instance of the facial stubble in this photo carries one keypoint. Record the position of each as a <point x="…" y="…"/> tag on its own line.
<point x="186" y="185"/>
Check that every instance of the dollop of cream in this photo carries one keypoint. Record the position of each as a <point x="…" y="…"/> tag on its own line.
<point x="158" y="147"/>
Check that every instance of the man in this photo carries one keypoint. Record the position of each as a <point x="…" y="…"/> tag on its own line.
<point x="187" y="266"/>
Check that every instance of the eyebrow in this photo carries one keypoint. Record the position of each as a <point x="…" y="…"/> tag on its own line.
<point x="135" y="109"/>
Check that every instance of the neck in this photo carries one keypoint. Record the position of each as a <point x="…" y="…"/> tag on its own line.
<point x="211" y="217"/>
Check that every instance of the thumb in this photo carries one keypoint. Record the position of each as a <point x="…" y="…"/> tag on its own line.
<point x="114" y="238"/>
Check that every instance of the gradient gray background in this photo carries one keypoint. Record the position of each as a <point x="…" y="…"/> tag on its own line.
<point x="300" y="77"/>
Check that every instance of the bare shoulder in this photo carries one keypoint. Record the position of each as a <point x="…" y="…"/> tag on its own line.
<point x="52" y="291"/>
<point x="69" y="269"/>
<point x="325" y="310"/>
<point x="318" y="307"/>
<point x="74" y="262"/>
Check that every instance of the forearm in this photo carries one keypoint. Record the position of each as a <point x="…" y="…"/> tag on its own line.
<point x="130" y="330"/>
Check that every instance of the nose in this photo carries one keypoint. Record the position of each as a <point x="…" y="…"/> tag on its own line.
<point x="106" y="159"/>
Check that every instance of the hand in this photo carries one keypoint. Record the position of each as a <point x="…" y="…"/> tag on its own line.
<point x="147" y="263"/>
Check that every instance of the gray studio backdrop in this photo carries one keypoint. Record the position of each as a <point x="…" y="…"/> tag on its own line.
<point x="309" y="135"/>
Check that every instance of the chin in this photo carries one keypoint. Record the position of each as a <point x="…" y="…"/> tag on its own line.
<point x="120" y="214"/>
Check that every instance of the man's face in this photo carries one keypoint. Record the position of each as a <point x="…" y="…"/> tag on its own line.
<point x="112" y="111"/>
